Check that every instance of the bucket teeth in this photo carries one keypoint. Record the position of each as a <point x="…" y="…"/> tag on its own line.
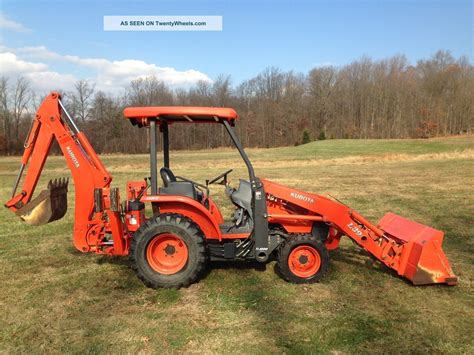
<point x="58" y="183"/>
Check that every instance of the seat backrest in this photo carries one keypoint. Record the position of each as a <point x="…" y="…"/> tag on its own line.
<point x="167" y="176"/>
<point x="242" y="197"/>
<point x="180" y="188"/>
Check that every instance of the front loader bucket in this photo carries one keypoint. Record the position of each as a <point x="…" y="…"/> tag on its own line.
<point x="50" y="205"/>
<point x="422" y="259"/>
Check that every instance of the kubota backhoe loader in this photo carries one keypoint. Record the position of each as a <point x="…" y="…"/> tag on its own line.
<point x="172" y="247"/>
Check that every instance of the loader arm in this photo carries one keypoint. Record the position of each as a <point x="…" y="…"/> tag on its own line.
<point x="411" y="249"/>
<point x="88" y="173"/>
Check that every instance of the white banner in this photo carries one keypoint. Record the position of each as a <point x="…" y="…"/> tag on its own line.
<point x="162" y="23"/>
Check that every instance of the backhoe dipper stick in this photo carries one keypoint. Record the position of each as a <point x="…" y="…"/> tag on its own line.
<point x="88" y="174"/>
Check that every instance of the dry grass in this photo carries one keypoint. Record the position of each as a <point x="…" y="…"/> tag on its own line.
<point x="223" y="164"/>
<point x="54" y="299"/>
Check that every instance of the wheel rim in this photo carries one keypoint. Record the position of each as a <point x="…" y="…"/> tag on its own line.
<point x="167" y="253"/>
<point x="304" y="261"/>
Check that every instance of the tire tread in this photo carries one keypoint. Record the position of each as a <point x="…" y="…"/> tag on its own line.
<point x="169" y="219"/>
<point x="285" y="250"/>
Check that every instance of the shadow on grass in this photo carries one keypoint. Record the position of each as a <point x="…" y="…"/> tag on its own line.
<point x="358" y="258"/>
<point x="361" y="259"/>
<point x="114" y="260"/>
<point x="101" y="259"/>
<point x="236" y="264"/>
<point x="232" y="265"/>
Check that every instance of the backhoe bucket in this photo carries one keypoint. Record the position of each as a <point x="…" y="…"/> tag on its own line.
<point x="422" y="259"/>
<point x="50" y="205"/>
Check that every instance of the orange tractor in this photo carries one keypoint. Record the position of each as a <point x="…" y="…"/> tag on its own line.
<point x="171" y="248"/>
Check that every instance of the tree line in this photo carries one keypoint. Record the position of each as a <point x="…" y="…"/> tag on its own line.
<point x="388" y="98"/>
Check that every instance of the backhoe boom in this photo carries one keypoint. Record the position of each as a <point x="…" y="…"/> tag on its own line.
<point x="88" y="174"/>
<point x="171" y="247"/>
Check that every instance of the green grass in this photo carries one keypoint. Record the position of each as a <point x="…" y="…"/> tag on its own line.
<point x="55" y="299"/>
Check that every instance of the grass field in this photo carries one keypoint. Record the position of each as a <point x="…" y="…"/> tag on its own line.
<point x="55" y="299"/>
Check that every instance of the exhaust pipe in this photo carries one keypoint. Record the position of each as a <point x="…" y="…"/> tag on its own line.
<point x="50" y="205"/>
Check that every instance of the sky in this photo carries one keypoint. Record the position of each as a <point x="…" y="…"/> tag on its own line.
<point x="55" y="43"/>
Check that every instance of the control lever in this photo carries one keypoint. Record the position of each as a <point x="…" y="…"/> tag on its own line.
<point x="147" y="186"/>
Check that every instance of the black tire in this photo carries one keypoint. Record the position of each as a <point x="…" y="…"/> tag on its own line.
<point x="305" y="241"/>
<point x="184" y="229"/>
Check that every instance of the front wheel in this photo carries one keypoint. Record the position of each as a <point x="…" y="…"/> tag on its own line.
<point x="168" y="251"/>
<point x="303" y="259"/>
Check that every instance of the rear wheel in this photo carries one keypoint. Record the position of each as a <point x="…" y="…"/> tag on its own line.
<point x="303" y="259"/>
<point x="168" y="251"/>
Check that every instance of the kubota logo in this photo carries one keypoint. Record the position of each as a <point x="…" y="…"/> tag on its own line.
<point x="73" y="157"/>
<point x="301" y="197"/>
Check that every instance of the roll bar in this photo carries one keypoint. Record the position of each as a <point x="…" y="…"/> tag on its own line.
<point x="241" y="150"/>
<point x="166" y="150"/>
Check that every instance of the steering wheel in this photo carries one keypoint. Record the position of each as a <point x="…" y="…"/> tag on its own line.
<point x="223" y="175"/>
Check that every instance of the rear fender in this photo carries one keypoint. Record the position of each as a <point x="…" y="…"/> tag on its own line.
<point x="190" y="208"/>
<point x="215" y="213"/>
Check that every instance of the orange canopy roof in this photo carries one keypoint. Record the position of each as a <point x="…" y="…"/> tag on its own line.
<point x="181" y="113"/>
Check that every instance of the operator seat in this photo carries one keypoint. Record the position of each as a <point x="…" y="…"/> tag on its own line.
<point x="180" y="188"/>
<point x="167" y="176"/>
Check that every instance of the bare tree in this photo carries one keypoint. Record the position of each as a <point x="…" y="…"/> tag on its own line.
<point x="82" y="98"/>
<point x="149" y="91"/>
<point x="5" y="114"/>
<point x="321" y="87"/>
<point x="20" y="103"/>
<point x="367" y="98"/>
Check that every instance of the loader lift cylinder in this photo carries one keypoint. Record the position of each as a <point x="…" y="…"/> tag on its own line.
<point x="104" y="226"/>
